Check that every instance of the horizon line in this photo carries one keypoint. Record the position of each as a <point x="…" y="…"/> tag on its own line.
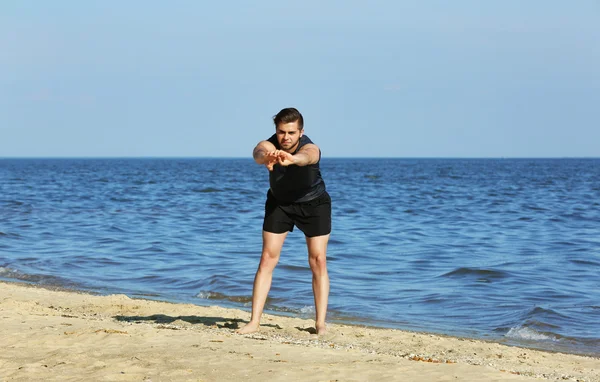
<point x="328" y="157"/>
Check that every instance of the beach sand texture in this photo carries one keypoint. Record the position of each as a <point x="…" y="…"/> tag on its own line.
<point x="56" y="335"/>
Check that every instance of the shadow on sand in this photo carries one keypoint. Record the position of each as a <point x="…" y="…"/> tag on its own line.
<point x="219" y="322"/>
<point x="308" y="330"/>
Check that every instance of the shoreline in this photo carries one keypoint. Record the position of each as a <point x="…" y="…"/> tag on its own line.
<point x="359" y="322"/>
<point x="61" y="333"/>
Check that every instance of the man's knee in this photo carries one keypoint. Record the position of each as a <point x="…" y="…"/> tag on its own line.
<point x="268" y="260"/>
<point x="317" y="261"/>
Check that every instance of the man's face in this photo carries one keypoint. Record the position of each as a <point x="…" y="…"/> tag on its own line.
<point x="288" y="136"/>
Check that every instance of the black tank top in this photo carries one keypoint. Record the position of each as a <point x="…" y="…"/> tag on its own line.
<point x="296" y="184"/>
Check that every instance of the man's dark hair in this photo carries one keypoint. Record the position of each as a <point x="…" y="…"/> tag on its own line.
<point x="289" y="115"/>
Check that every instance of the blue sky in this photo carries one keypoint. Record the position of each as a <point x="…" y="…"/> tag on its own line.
<point x="461" y="78"/>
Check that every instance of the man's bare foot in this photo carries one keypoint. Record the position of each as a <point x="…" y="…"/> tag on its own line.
<point x="250" y="327"/>
<point x="321" y="329"/>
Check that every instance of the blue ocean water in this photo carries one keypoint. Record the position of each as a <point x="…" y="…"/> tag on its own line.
<point x="500" y="249"/>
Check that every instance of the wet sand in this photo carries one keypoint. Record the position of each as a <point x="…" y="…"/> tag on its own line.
<point x="56" y="335"/>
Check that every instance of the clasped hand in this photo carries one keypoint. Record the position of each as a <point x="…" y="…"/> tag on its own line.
<point x="278" y="156"/>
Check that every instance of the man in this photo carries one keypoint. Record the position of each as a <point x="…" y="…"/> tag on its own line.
<point x="297" y="197"/>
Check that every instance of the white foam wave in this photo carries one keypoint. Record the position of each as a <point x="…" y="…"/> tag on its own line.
<point x="524" y="333"/>
<point x="206" y="295"/>
<point x="7" y="271"/>
<point x="307" y="310"/>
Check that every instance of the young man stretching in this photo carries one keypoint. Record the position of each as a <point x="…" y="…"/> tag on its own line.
<point x="297" y="197"/>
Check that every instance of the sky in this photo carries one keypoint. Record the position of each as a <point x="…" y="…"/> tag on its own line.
<point x="463" y="78"/>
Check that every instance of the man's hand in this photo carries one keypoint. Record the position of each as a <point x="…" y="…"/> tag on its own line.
<point x="284" y="158"/>
<point x="308" y="154"/>
<point x="278" y="156"/>
<point x="270" y="159"/>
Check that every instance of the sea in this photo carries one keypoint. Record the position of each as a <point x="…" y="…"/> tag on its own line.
<point x="506" y="250"/>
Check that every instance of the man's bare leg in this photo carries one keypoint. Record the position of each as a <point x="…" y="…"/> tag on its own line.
<point x="272" y="244"/>
<point x="317" y="259"/>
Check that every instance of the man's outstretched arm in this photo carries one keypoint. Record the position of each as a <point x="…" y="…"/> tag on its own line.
<point x="307" y="155"/>
<point x="261" y="150"/>
<point x="263" y="154"/>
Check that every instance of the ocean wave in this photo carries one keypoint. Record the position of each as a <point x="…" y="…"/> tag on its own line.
<point x="482" y="274"/>
<point x="206" y="190"/>
<point x="122" y="200"/>
<point x="538" y="312"/>
<point x="585" y="262"/>
<point x="304" y="311"/>
<point x="529" y="334"/>
<point x="14" y="274"/>
<point x="307" y="310"/>
<point x="209" y="295"/>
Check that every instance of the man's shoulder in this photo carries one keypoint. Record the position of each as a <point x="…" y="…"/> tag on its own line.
<point x="304" y="140"/>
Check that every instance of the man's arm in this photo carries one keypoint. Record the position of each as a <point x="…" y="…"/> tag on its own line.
<point x="261" y="150"/>
<point x="307" y="155"/>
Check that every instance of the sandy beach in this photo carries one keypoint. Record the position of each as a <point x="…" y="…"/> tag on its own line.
<point x="57" y="335"/>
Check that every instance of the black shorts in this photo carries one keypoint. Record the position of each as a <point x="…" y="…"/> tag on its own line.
<point x="312" y="217"/>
